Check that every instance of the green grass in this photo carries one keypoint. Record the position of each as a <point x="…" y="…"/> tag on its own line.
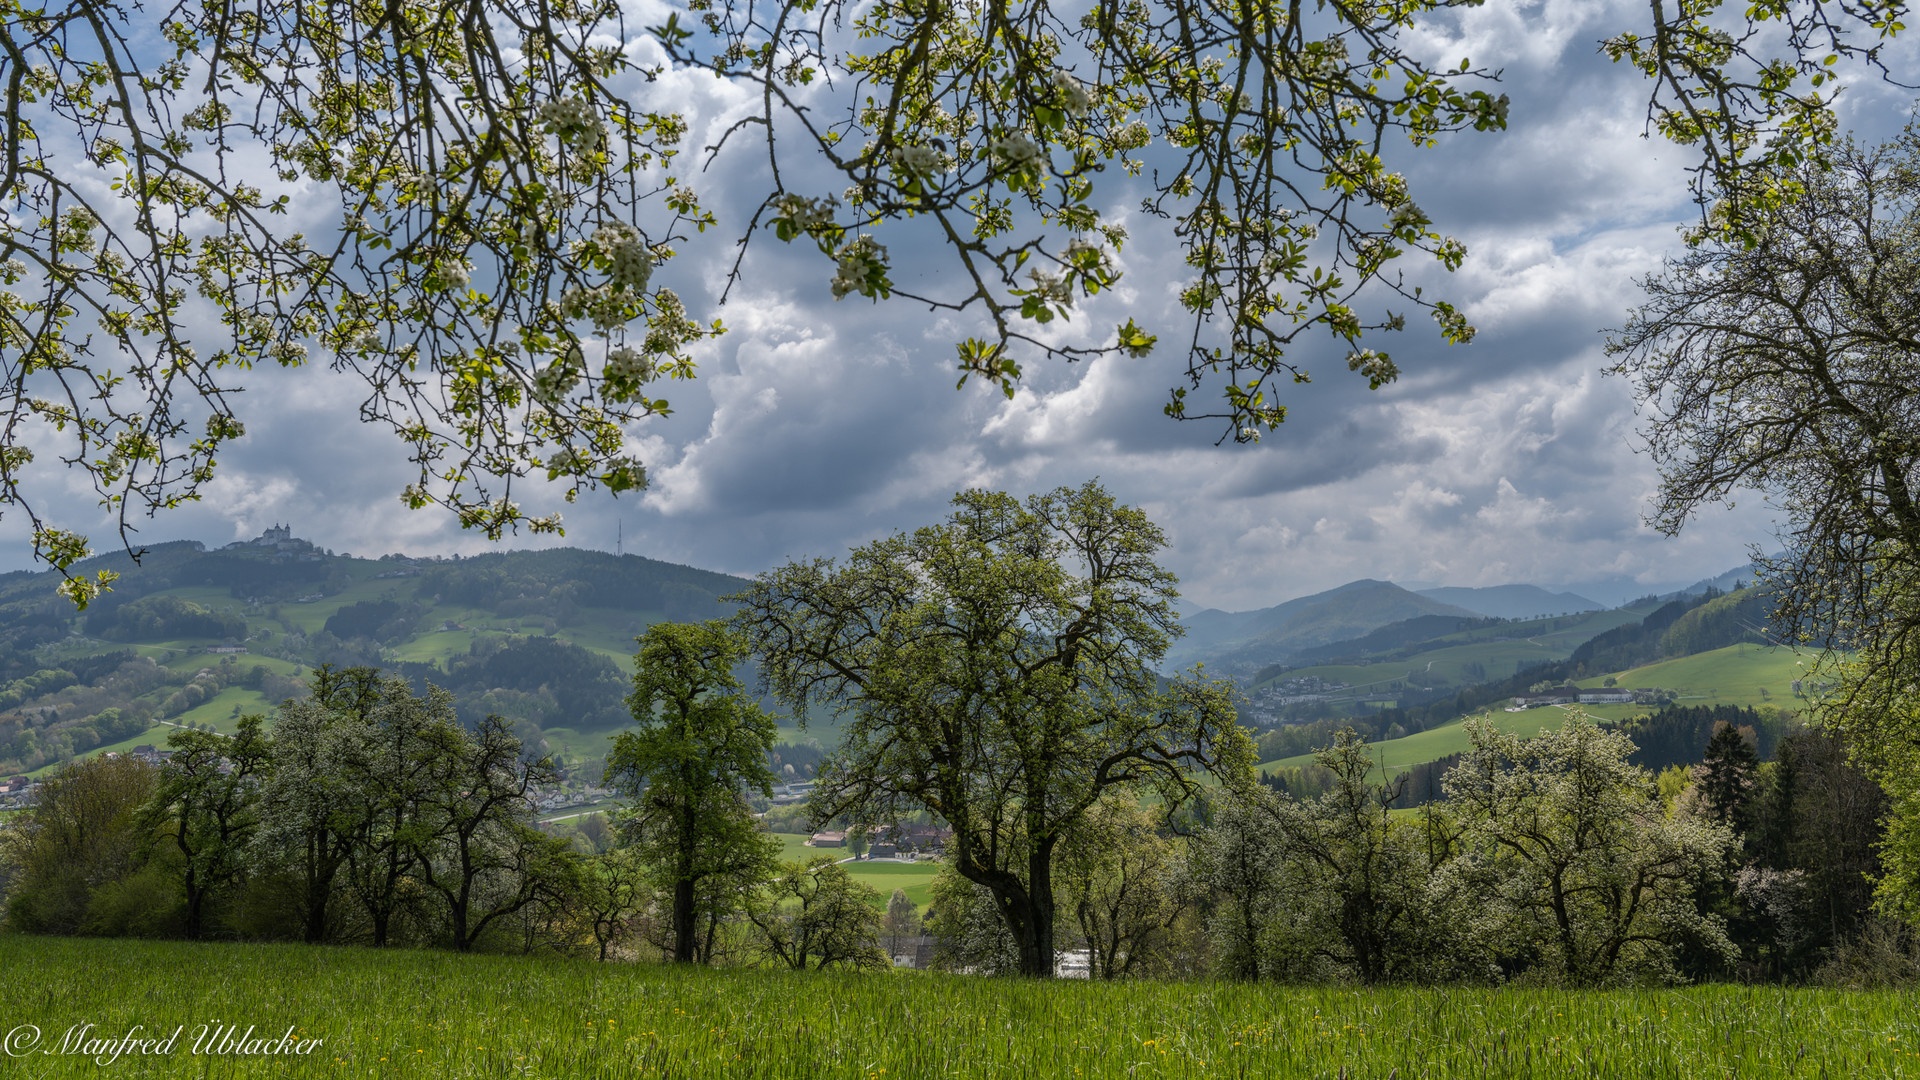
<point x="885" y="876"/>
<point x="218" y="709"/>
<point x="406" y="1014"/>
<point x="793" y="848"/>
<point x="571" y="745"/>
<point x="1435" y="743"/>
<point x="915" y="877"/>
<point x="1735" y="675"/>
<point x="155" y="736"/>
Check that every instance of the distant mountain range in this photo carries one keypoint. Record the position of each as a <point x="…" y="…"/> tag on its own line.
<point x="1514" y="601"/>
<point x="1244" y="641"/>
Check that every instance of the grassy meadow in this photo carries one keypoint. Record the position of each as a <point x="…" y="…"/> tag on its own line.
<point x="440" y="1015"/>
<point x="1736" y="675"/>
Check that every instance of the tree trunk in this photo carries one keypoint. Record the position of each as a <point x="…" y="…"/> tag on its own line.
<point x="321" y="868"/>
<point x="685" y="933"/>
<point x="318" y="893"/>
<point x="1036" y="937"/>
<point x="196" y="900"/>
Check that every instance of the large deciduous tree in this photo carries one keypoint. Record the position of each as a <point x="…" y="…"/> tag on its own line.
<point x="311" y="814"/>
<point x="814" y="915"/>
<point x="1788" y="362"/>
<point x="1790" y="365"/>
<point x="207" y="804"/>
<point x="1576" y="855"/>
<point x="85" y="829"/>
<point x="396" y="753"/>
<point x="697" y="747"/>
<point x="485" y="859"/>
<point x="1124" y="889"/>
<point x="997" y="670"/>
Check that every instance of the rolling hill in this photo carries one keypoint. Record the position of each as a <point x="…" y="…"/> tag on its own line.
<point x="197" y="637"/>
<point x="1743" y="674"/>
<point x="1242" y="642"/>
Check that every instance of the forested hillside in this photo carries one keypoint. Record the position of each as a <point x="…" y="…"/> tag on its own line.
<point x="196" y="638"/>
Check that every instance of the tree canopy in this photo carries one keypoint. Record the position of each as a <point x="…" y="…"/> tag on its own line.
<point x="997" y="670"/>
<point x="475" y="210"/>
<point x="1787" y="362"/>
<point x="698" y="746"/>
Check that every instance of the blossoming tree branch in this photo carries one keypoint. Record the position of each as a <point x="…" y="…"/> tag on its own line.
<point x="491" y="196"/>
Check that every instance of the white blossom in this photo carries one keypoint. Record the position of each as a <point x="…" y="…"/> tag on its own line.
<point x="625" y="473"/>
<point x="631" y="262"/>
<point x="1017" y="150"/>
<point x="557" y="380"/>
<point x="1087" y="255"/>
<point x="1330" y="58"/>
<point x="1073" y="96"/>
<point x="859" y="261"/>
<point x="920" y="160"/>
<point x="574" y="122"/>
<point x="1134" y="135"/>
<point x="1407" y="216"/>
<point x="626" y="363"/>
<point x="1051" y="287"/>
<point x="807" y="214"/>
<point x="1376" y="366"/>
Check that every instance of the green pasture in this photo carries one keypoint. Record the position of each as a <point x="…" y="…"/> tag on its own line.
<point x="311" y="617"/>
<point x="1735" y="675"/>
<point x="915" y="877"/>
<point x="608" y="632"/>
<point x="562" y="1019"/>
<point x="429" y="645"/>
<point x="568" y="744"/>
<point x="1435" y="743"/>
<point x="793" y="848"/>
<point x="218" y="709"/>
<point x="155" y="736"/>
<point x="883" y="874"/>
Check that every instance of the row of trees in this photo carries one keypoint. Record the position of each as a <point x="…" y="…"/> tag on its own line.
<point x="368" y="813"/>
<point x="1550" y="860"/>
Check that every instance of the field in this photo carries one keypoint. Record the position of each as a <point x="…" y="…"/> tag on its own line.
<point x="1435" y="743"/>
<point x="1736" y="675"/>
<point x="496" y="1016"/>
<point x="884" y="875"/>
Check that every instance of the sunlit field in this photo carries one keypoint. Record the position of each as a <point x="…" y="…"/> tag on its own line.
<point x="433" y="1014"/>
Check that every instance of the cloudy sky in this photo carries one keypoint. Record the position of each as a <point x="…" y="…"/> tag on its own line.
<point x="816" y="424"/>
